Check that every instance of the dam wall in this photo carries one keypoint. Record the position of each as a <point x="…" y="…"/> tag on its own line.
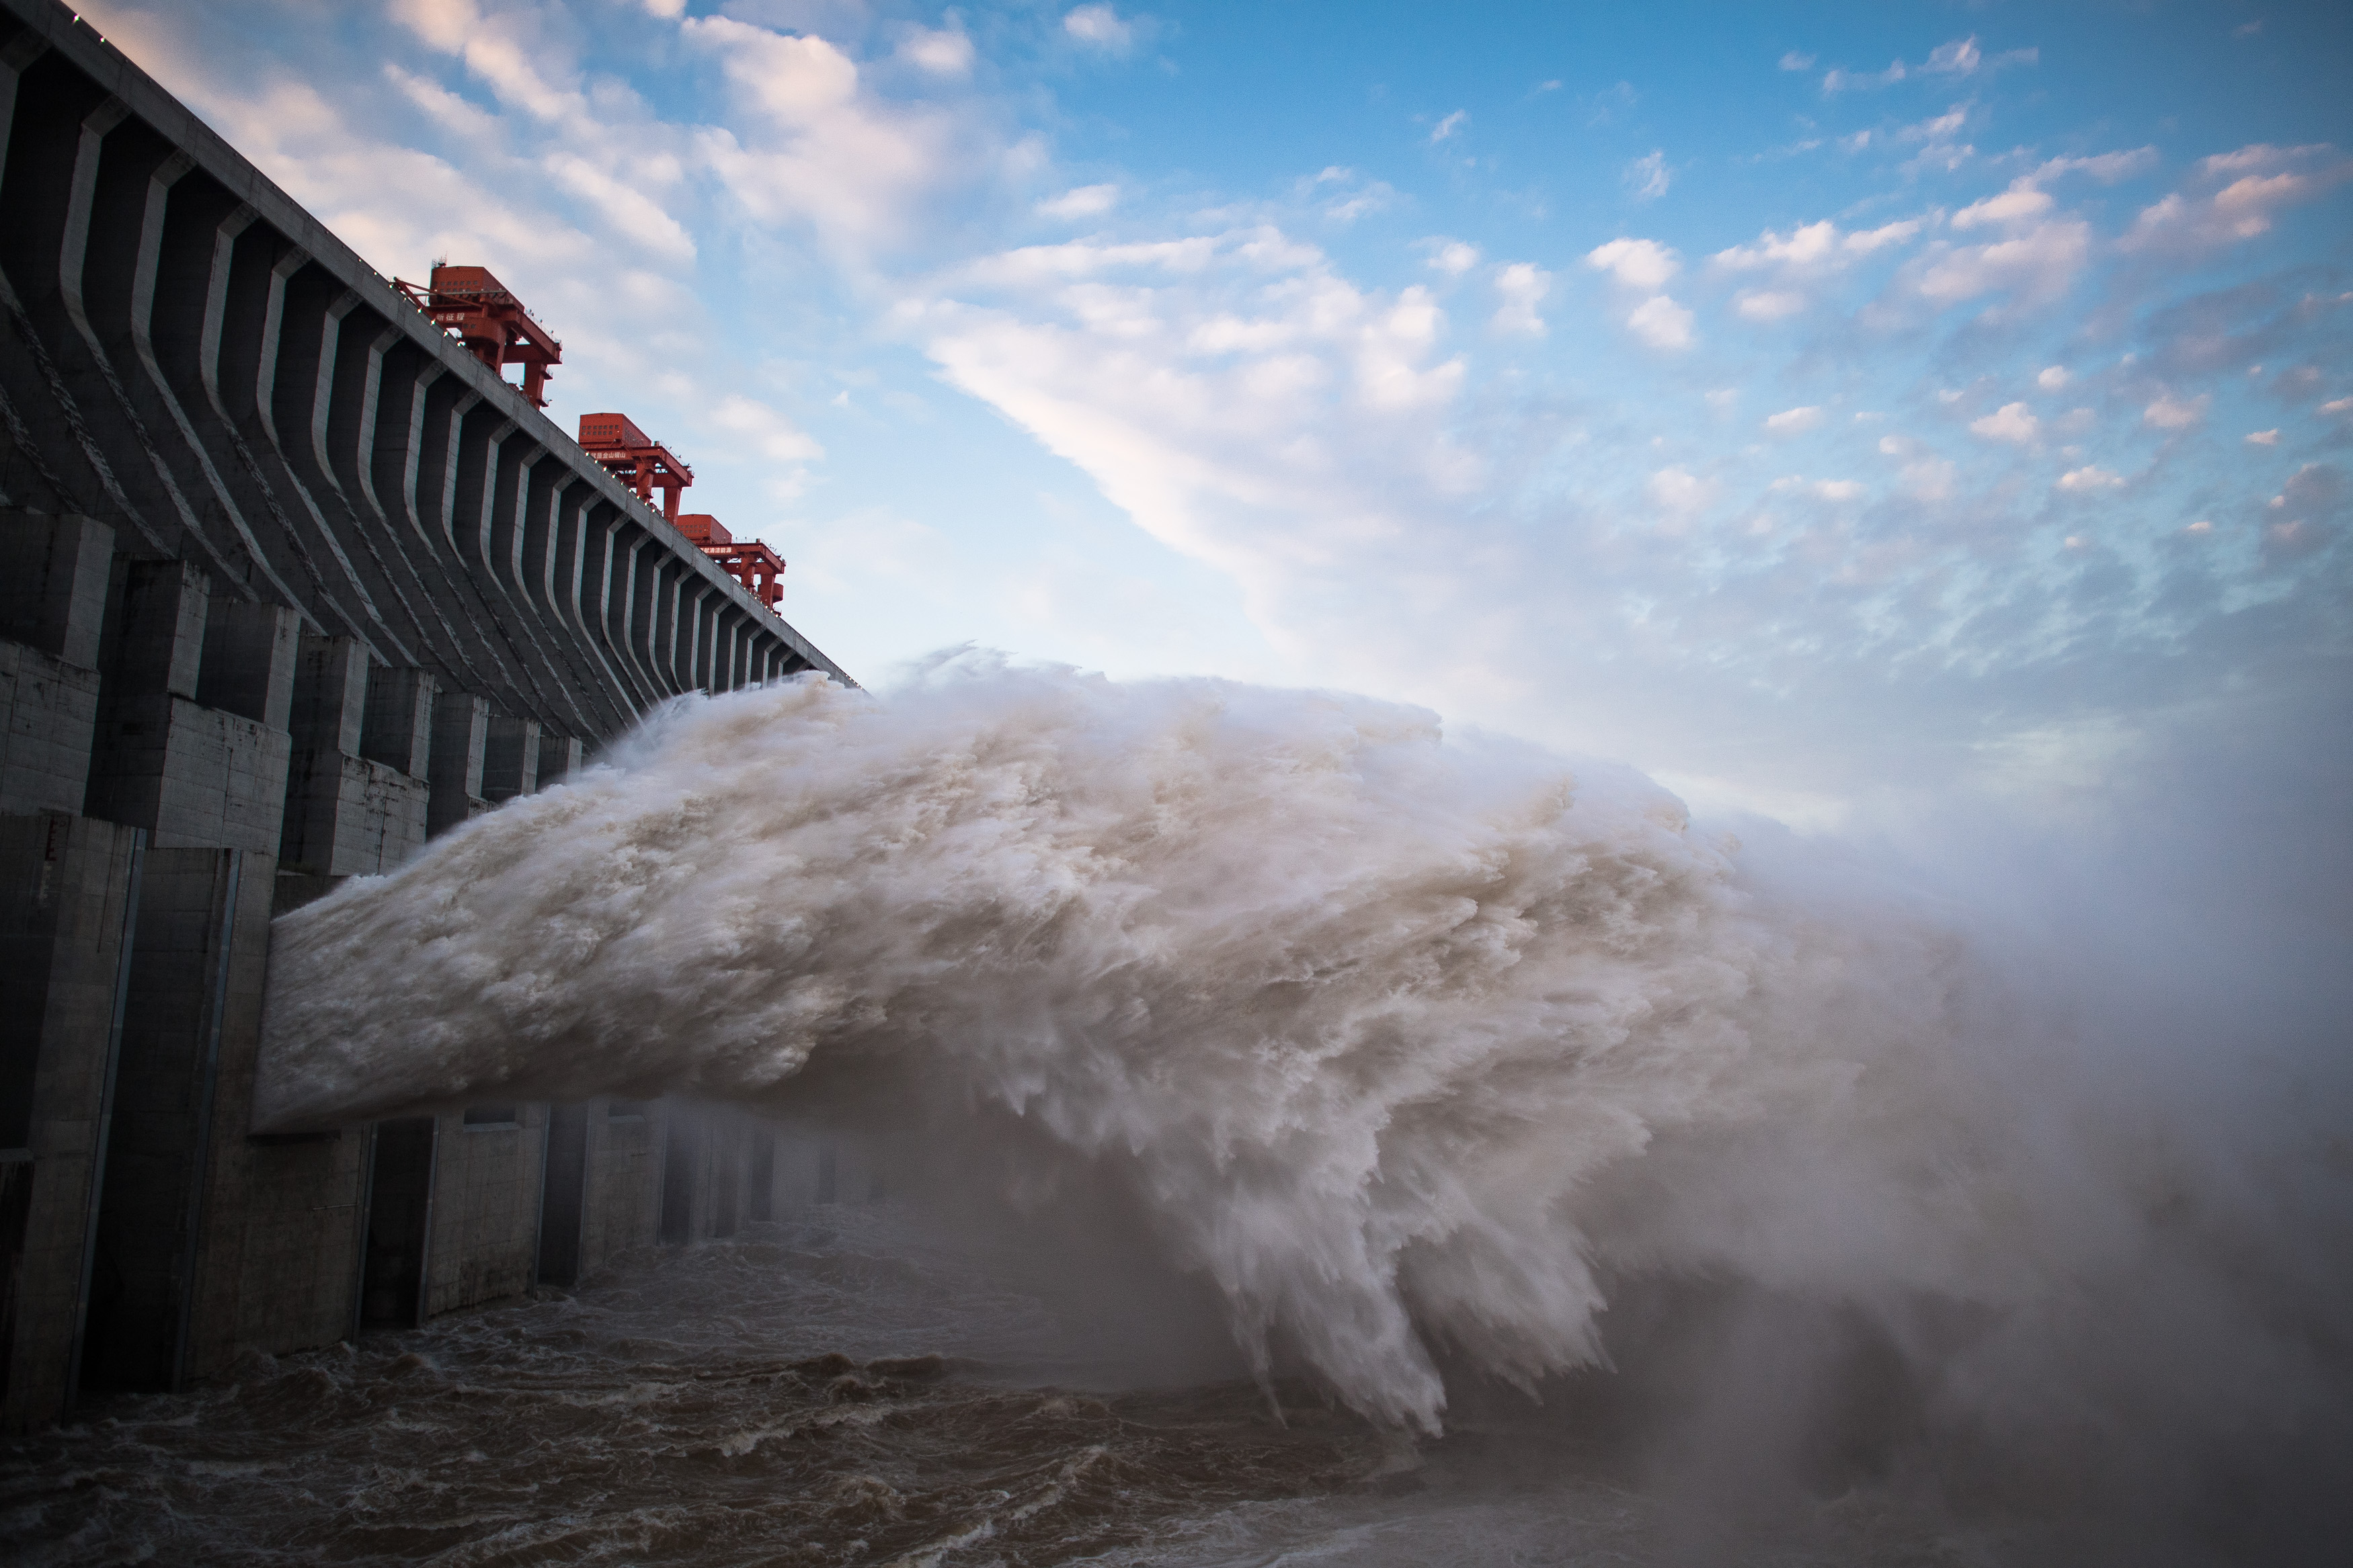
<point x="290" y="583"/>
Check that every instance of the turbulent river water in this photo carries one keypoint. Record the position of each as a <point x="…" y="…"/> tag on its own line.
<point x="858" y="1384"/>
<point x="1312" y="1138"/>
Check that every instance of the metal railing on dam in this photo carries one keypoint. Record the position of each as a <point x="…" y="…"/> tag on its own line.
<point x="290" y="582"/>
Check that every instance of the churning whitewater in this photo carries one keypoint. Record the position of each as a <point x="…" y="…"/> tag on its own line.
<point x="1383" y="1031"/>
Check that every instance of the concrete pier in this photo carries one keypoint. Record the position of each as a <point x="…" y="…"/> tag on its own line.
<point x="289" y="583"/>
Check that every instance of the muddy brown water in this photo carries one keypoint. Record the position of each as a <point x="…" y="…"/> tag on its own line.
<point x="843" y="1387"/>
<point x="723" y="1405"/>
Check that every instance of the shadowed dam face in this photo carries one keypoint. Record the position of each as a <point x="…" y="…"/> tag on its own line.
<point x="1422" y="1053"/>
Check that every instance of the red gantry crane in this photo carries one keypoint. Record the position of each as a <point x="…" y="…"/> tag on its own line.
<point x="645" y="465"/>
<point x="636" y="458"/>
<point x="758" y="568"/>
<point x="474" y="307"/>
<point x="481" y="312"/>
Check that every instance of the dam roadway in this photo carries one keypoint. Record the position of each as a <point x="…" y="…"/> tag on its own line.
<point x="291" y="582"/>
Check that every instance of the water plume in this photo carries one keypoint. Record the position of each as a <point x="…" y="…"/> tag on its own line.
<point x="1408" y="1044"/>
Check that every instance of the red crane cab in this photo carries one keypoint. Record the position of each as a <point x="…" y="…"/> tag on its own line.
<point x="483" y="314"/>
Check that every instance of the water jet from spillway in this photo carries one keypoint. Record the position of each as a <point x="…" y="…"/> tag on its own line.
<point x="1407" y="1045"/>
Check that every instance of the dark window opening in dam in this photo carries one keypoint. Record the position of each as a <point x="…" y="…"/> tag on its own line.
<point x="144" y="1264"/>
<point x="400" y="1203"/>
<point x="493" y="1118"/>
<point x="562" y="1195"/>
<point x="16" y="1211"/>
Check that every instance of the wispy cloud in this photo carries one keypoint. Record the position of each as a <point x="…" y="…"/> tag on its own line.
<point x="1101" y="27"/>
<point x="1648" y="175"/>
<point x="2234" y="196"/>
<point x="1081" y="201"/>
<point x="1521" y="287"/>
<point x="2089" y="480"/>
<point x="1956" y="58"/>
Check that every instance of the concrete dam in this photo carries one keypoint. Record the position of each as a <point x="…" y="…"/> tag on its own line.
<point x="291" y="580"/>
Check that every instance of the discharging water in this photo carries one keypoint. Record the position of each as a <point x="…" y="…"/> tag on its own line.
<point x="1579" y="1185"/>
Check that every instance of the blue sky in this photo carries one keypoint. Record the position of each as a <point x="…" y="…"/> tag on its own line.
<point x="1819" y="406"/>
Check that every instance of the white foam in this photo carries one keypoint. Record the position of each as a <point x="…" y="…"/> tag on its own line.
<point x="1398" y="1040"/>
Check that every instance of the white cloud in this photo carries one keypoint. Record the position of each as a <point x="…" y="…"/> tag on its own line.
<point x="1662" y="323"/>
<point x="1522" y="286"/>
<point x="2108" y="168"/>
<point x="528" y="72"/>
<point x="1845" y="81"/>
<point x="1823" y="489"/>
<point x="1452" y="257"/>
<point x="1794" y="61"/>
<point x="1862" y="242"/>
<point x="2342" y="406"/>
<point x="2010" y="422"/>
<point x="1636" y="263"/>
<point x="1648" y="175"/>
<point x="2038" y="264"/>
<point x="1767" y="304"/>
<point x="2089" y="480"/>
<point x="1102" y="27"/>
<point x="1082" y="201"/>
<point x="2262" y="437"/>
<point x="1243" y="400"/>
<point x="1958" y="57"/>
<point x="1815" y="248"/>
<point x="473" y="123"/>
<point x="1930" y="478"/>
<point x="814" y="146"/>
<point x="778" y="439"/>
<point x="2053" y="377"/>
<point x="1356" y="198"/>
<point x="1792" y="421"/>
<point x="2232" y="197"/>
<point x="1678" y="491"/>
<point x="944" y="53"/>
<point x="2170" y="413"/>
<point x="1800" y="248"/>
<point x="2020" y="202"/>
<point x="629" y="211"/>
<point x="1449" y="125"/>
<point x="1937" y="128"/>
